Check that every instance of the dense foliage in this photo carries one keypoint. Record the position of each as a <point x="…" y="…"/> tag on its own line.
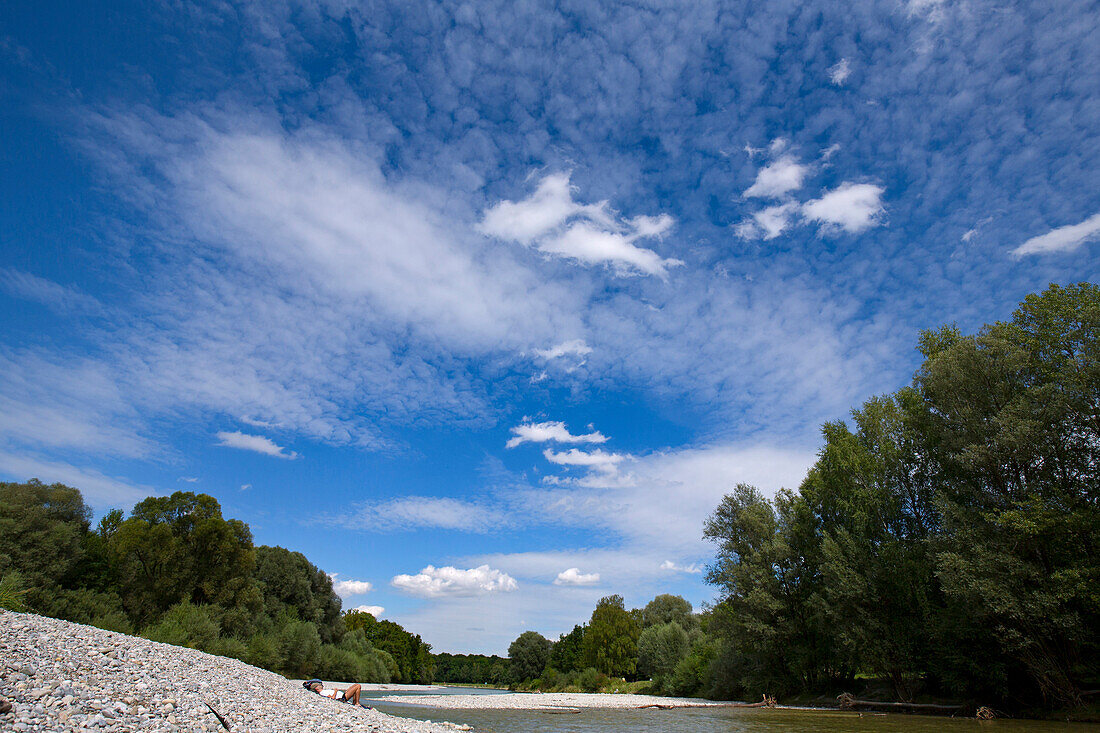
<point x="176" y="571"/>
<point x="477" y="669"/>
<point x="946" y="542"/>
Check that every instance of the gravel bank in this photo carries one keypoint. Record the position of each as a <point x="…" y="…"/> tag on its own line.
<point x="60" y="676"/>
<point x="545" y="701"/>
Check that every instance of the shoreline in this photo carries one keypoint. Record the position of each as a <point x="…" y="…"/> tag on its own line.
<point x="59" y="675"/>
<point x="547" y="701"/>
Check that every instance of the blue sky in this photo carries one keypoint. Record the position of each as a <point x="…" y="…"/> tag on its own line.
<point x="483" y="306"/>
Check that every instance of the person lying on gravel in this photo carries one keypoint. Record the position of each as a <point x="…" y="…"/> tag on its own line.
<point x="350" y="695"/>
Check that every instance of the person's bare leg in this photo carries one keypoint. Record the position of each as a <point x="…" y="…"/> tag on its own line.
<point x="352" y="693"/>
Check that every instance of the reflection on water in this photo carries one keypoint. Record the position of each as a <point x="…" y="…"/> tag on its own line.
<point x="722" y="720"/>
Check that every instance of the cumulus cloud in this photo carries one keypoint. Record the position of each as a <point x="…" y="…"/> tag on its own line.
<point x="852" y="207"/>
<point x="433" y="582"/>
<point x="255" y="443"/>
<point x="346" y="588"/>
<point x="840" y="71"/>
<point x="598" y="458"/>
<point x="1062" y="239"/>
<point x="768" y="223"/>
<point x="691" y="568"/>
<point x="573" y="576"/>
<point x="778" y="178"/>
<point x="375" y="611"/>
<point x="543" y="432"/>
<point x="552" y="222"/>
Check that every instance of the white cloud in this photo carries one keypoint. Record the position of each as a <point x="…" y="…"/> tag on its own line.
<point x="60" y="298"/>
<point x="598" y="458"/>
<point x="99" y="490"/>
<point x="433" y="582"/>
<point x="852" y="207"/>
<point x="346" y="588"/>
<point x="691" y="568"/>
<point x="575" y="347"/>
<point x="255" y="443"/>
<point x="421" y="512"/>
<point x="592" y="245"/>
<point x="543" y="432"/>
<point x="594" y="237"/>
<point x="778" y="178"/>
<point x="573" y="576"/>
<point x="768" y="223"/>
<point x="542" y="212"/>
<point x="246" y="487"/>
<point x="1062" y="239"/>
<point x="840" y="71"/>
<point x="189" y="479"/>
<point x="375" y="611"/>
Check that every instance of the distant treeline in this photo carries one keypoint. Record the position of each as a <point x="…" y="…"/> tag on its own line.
<point x="471" y="668"/>
<point x="947" y="543"/>
<point x="176" y="571"/>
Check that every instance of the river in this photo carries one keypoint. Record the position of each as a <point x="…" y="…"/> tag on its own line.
<point x="717" y="720"/>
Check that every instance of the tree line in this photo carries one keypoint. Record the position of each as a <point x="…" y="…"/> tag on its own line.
<point x="947" y="540"/>
<point x="945" y="543"/>
<point x="176" y="571"/>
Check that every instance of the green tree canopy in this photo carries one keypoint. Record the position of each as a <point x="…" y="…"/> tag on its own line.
<point x="178" y="548"/>
<point x="667" y="608"/>
<point x="528" y="655"/>
<point x="567" y="653"/>
<point x="290" y="582"/>
<point x="41" y="533"/>
<point x="611" y="640"/>
<point x="660" y="649"/>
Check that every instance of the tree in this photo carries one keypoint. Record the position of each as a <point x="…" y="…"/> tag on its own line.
<point x="528" y="655"/>
<point x="660" y="649"/>
<point x="776" y="636"/>
<point x="567" y="653"/>
<point x="611" y="640"/>
<point x="178" y="548"/>
<point x="287" y="580"/>
<point x="874" y="497"/>
<point x="41" y="535"/>
<point x="667" y="608"/>
<point x="1014" y="415"/>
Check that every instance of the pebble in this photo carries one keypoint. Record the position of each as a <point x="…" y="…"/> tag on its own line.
<point x="60" y="676"/>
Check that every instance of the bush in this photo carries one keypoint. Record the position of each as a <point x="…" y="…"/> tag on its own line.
<point x="334" y="663"/>
<point x="300" y="645"/>
<point x="186" y="624"/>
<point x="263" y="652"/>
<point x="228" y="647"/>
<point x="12" y="592"/>
<point x="591" y="680"/>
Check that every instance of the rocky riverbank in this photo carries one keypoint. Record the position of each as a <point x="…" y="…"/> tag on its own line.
<point x="60" y="676"/>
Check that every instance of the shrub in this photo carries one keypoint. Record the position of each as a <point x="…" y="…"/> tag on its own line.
<point x="186" y="624"/>
<point x="12" y="592"/>
<point x="263" y="652"/>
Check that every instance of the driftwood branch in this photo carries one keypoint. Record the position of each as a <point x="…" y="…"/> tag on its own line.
<point x="847" y="700"/>
<point x="767" y="702"/>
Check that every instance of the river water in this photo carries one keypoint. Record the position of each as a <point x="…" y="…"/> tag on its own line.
<point x="719" y="720"/>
